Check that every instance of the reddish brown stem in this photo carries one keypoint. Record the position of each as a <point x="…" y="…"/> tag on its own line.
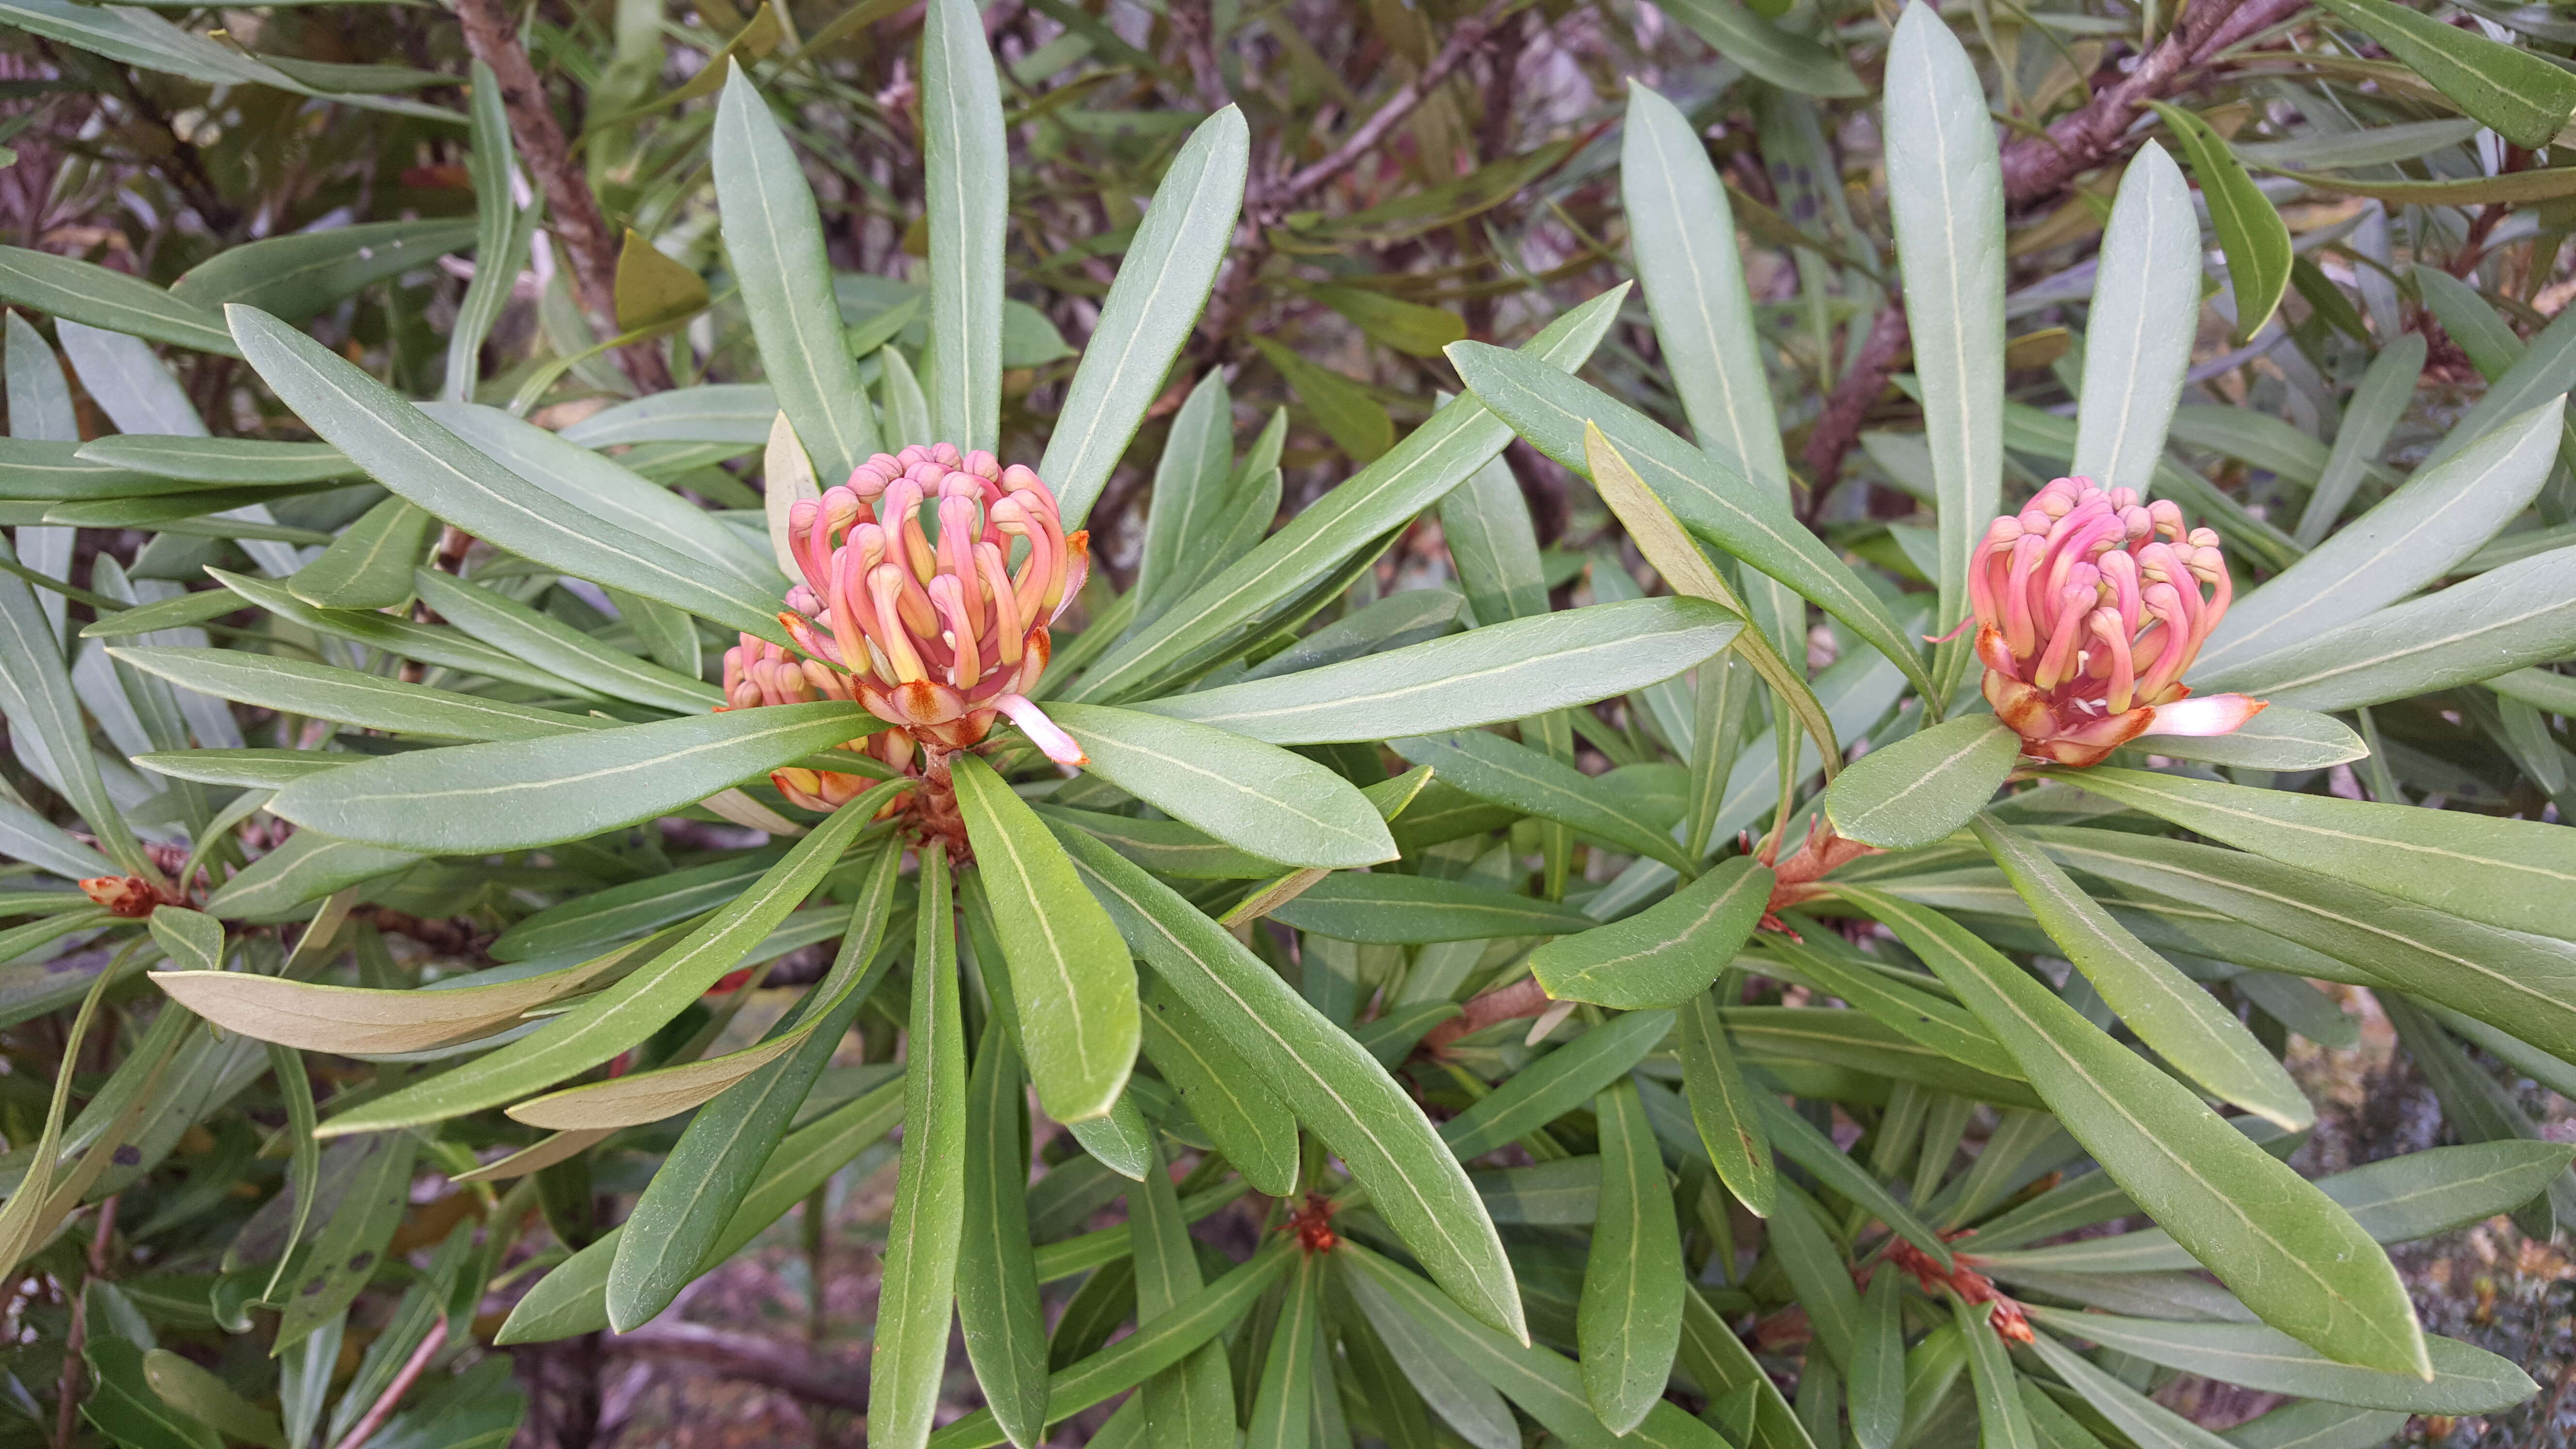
<point x="1524" y="997"/>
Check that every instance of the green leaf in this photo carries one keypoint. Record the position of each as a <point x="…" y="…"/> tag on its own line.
<point x="322" y="691"/>
<point x="351" y="1238"/>
<point x="560" y="649"/>
<point x="564" y="788"/>
<point x="2369" y="416"/>
<point x="930" y="1183"/>
<point x="1433" y="459"/>
<point x="1666" y="954"/>
<point x="1254" y="796"/>
<point x="2147" y="1424"/>
<point x="1629" y="1321"/>
<point x="1070" y="972"/>
<point x="237" y="462"/>
<point x="572" y="1299"/>
<point x="1910" y="1011"/>
<point x="1484" y="676"/>
<point x="1550" y="410"/>
<point x="2527" y="99"/>
<point x="369" y="566"/>
<point x="1408" y="910"/>
<point x="297" y="275"/>
<point x="1789" y="61"/>
<point x="2519" y="615"/>
<point x="2282" y="737"/>
<point x="2524" y="984"/>
<point x="610" y="1021"/>
<point x="403" y="449"/>
<point x="774" y="234"/>
<point x="1722" y="1107"/>
<point x="2518" y="874"/>
<point x="2465" y="1380"/>
<point x="2002" y="1421"/>
<point x="2286" y="1249"/>
<point x="1191" y="1403"/>
<point x="1813" y="1261"/>
<point x="2250" y="232"/>
<point x="1348" y="413"/>
<point x="1407" y="327"/>
<point x="1162" y="286"/>
<point x="1547" y="1386"/>
<point x="2414" y="538"/>
<point x="1877" y="1371"/>
<point x="36" y="695"/>
<point x="2169" y="1011"/>
<point x="1917" y="791"/>
<point x="1946" y="201"/>
<point x="1228" y="1098"/>
<point x="1556" y="1084"/>
<point x="1332" y="1084"/>
<point x="96" y="296"/>
<point x="2138" y="335"/>
<point x="718" y="1160"/>
<point x="1191" y="483"/>
<point x="966" y="183"/>
<point x="193" y="940"/>
<point x="1496" y="769"/>
<point x="208" y="1400"/>
<point x="652" y="290"/>
<point x="1284" y="1405"/>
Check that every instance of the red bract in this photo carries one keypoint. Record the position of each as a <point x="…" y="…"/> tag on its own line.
<point x="2089" y="608"/>
<point x="930" y="579"/>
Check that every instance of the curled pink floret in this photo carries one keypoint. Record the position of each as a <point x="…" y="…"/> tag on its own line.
<point x="2089" y="606"/>
<point x="929" y="582"/>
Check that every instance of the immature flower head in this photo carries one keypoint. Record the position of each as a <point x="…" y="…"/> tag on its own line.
<point x="2089" y="606"/>
<point x="929" y="581"/>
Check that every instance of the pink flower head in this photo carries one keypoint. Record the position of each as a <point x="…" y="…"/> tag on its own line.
<point x="2089" y="607"/>
<point x="929" y="581"/>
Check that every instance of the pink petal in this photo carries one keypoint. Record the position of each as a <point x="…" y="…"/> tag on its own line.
<point x="1043" y="732"/>
<point x="2214" y="714"/>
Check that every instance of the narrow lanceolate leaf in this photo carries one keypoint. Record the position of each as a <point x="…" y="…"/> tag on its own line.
<point x="692" y="1200"/>
<point x="966" y="190"/>
<point x="367" y="701"/>
<point x="521" y="794"/>
<point x="1484" y="676"/>
<point x="2518" y="874"/>
<point x="2465" y="1380"/>
<point x="1674" y="554"/>
<point x="1629" y="1321"/>
<point x="97" y="296"/>
<point x="1070" y="973"/>
<point x="369" y="566"/>
<point x="775" y="237"/>
<point x="997" y="1279"/>
<point x="1434" y="458"/>
<point x="922" y="1237"/>
<point x="1162" y="285"/>
<point x="2507" y="619"/>
<point x="1332" y="1084"/>
<point x="2002" y="1422"/>
<point x="2250" y="231"/>
<point x="560" y="649"/>
<point x="628" y="1012"/>
<point x="1877" y="1370"/>
<point x="1666" y="954"/>
<point x="241" y="462"/>
<point x="2412" y="539"/>
<point x="1542" y="1381"/>
<point x="1283" y="1407"/>
<point x="1249" y="1123"/>
<point x="1946" y="198"/>
<point x="1550" y="410"/>
<point x="1722" y="1107"/>
<point x="37" y="696"/>
<point x="2522" y="983"/>
<point x="2169" y="1011"/>
<point x="1390" y="909"/>
<point x="1493" y="768"/>
<point x="2287" y="1250"/>
<point x="1191" y="1403"/>
<point x="403" y="449"/>
<point x="2147" y="1423"/>
<point x="1923" y="787"/>
<point x="2521" y="94"/>
<point x="1557" y="1083"/>
<point x="2282" y="737"/>
<point x="1251" y="795"/>
<point x="2137" y="338"/>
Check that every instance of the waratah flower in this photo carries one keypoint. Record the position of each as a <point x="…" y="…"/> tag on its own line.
<point x="929" y="581"/>
<point x="2089" y="607"/>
